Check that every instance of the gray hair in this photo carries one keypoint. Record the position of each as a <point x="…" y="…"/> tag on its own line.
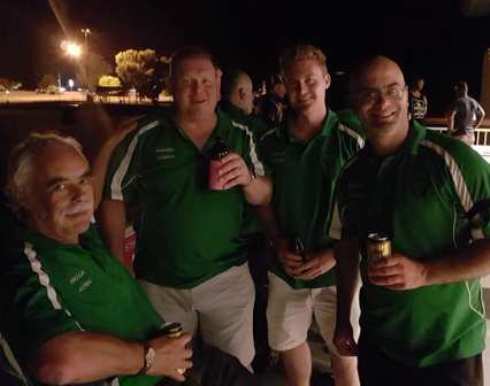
<point x="20" y="162"/>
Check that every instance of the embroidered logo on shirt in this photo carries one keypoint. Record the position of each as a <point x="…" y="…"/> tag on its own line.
<point x="278" y="157"/>
<point x="165" y="153"/>
<point x="77" y="277"/>
<point x="85" y="285"/>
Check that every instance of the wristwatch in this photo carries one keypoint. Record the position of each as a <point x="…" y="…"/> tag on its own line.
<point x="149" y="357"/>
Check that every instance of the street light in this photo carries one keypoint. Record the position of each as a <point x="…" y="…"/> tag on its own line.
<point x="71" y="49"/>
<point x="86" y="32"/>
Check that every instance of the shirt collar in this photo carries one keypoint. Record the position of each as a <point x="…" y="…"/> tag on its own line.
<point x="416" y="134"/>
<point x="329" y="123"/>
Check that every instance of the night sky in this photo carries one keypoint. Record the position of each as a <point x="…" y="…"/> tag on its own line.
<point x="434" y="39"/>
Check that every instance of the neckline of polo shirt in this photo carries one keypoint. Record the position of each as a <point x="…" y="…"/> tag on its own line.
<point x="416" y="133"/>
<point x="218" y="130"/>
<point x="47" y="242"/>
<point x="327" y="126"/>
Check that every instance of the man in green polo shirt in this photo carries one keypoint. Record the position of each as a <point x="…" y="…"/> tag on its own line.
<point x="304" y="157"/>
<point x="190" y="258"/>
<point x="422" y="317"/>
<point x="72" y="313"/>
<point x="238" y="100"/>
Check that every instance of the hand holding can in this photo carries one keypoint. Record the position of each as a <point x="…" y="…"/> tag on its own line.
<point x="173" y="330"/>
<point x="378" y="245"/>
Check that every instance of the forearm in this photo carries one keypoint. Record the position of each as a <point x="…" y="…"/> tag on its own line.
<point x="480" y="120"/>
<point x="112" y="216"/>
<point x="258" y="191"/>
<point x="347" y="275"/>
<point x="450" y="122"/>
<point x="81" y="357"/>
<point x="469" y="263"/>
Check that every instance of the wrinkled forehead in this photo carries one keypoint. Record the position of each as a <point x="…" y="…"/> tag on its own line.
<point x="57" y="153"/>
<point x="381" y="74"/>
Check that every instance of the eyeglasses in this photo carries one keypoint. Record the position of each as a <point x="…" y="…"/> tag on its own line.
<point x="373" y="95"/>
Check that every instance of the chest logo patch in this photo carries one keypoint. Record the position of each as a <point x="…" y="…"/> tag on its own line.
<point x="77" y="277"/>
<point x="278" y="157"/>
<point x="85" y="285"/>
<point x="165" y="153"/>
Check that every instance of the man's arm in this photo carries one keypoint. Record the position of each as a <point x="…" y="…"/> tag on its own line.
<point x="258" y="191"/>
<point x="400" y="272"/>
<point x="112" y="217"/>
<point x="347" y="275"/>
<point x="101" y="162"/>
<point x="81" y="357"/>
<point x="450" y="120"/>
<point x="480" y="112"/>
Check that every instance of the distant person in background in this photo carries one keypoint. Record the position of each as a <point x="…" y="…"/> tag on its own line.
<point x="238" y="100"/>
<point x="273" y="105"/>
<point x="465" y="115"/>
<point x="417" y="100"/>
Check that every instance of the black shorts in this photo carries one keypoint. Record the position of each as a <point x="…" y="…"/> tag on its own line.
<point x="376" y="369"/>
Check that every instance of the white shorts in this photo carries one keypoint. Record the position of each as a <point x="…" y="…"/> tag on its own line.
<point x="221" y="307"/>
<point x="290" y="312"/>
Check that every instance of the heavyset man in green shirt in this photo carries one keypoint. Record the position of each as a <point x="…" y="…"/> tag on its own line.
<point x="422" y="317"/>
<point x="304" y="157"/>
<point x="190" y="258"/>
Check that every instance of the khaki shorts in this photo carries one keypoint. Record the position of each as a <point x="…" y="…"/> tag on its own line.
<point x="290" y="312"/>
<point x="221" y="308"/>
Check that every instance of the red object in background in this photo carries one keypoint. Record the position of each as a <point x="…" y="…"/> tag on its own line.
<point x="129" y="245"/>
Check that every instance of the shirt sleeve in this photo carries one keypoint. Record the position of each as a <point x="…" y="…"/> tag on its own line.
<point x="471" y="181"/>
<point x="251" y="152"/>
<point x="33" y="312"/>
<point x="123" y="171"/>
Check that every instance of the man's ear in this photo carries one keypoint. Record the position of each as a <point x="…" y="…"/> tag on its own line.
<point x="219" y="75"/>
<point x="328" y="80"/>
<point x="241" y="93"/>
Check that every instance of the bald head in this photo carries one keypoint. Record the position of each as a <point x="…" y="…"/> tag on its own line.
<point x="237" y="88"/>
<point x="373" y="70"/>
<point x="381" y="97"/>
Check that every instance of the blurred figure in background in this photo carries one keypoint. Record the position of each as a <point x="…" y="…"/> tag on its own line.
<point x="273" y="106"/>
<point x="418" y="103"/>
<point x="465" y="115"/>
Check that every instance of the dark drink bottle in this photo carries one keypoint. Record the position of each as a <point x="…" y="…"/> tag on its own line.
<point x="218" y="151"/>
<point x="297" y="246"/>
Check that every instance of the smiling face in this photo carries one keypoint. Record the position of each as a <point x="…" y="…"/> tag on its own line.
<point x="307" y="82"/>
<point x="382" y="98"/>
<point x="196" y="86"/>
<point x="60" y="198"/>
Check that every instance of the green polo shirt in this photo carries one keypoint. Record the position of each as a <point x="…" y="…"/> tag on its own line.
<point x="187" y="233"/>
<point x="49" y="289"/>
<point x="253" y="121"/>
<point x="419" y="197"/>
<point x="304" y="176"/>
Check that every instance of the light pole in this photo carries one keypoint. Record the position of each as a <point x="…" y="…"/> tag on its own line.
<point x="86" y="32"/>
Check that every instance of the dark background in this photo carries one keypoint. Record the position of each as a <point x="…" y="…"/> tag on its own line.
<point x="440" y="40"/>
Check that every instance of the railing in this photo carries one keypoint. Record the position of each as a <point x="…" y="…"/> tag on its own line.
<point x="482" y="135"/>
